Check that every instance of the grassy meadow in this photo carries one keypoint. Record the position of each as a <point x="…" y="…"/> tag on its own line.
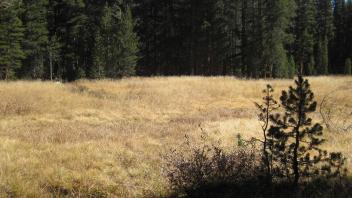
<point x="106" y="138"/>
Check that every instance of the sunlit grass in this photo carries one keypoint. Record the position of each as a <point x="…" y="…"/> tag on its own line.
<point x="105" y="138"/>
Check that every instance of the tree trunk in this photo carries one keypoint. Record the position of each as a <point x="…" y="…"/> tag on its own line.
<point x="295" y="159"/>
<point x="51" y="66"/>
<point x="295" y="164"/>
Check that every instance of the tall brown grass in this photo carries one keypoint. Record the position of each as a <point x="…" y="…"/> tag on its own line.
<point x="105" y="138"/>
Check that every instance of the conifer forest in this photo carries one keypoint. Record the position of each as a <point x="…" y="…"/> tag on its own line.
<point x="73" y="39"/>
<point x="176" y="98"/>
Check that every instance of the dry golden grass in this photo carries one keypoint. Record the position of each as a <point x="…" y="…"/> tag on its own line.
<point x="105" y="138"/>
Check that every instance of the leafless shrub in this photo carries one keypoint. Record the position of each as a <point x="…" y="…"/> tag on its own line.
<point x="211" y="171"/>
<point x="195" y="167"/>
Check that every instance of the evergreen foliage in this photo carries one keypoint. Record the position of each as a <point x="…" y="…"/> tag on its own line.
<point x="266" y="109"/>
<point x="278" y="17"/>
<point x="293" y="163"/>
<point x="348" y="67"/>
<point x="36" y="37"/>
<point x="74" y="39"/>
<point x="324" y="34"/>
<point x="11" y="37"/>
<point x="116" y="43"/>
<point x="305" y="31"/>
<point x="53" y="53"/>
<point x="127" y="43"/>
<point x="297" y="140"/>
<point x="292" y="69"/>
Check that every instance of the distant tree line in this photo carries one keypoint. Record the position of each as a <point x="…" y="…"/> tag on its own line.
<point x="72" y="39"/>
<point x="67" y="39"/>
<point x="250" y="38"/>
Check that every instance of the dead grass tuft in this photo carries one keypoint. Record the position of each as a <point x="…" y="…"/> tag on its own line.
<point x="104" y="138"/>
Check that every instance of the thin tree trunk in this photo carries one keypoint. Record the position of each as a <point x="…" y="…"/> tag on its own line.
<point x="295" y="165"/>
<point x="266" y="154"/>
<point x="51" y="65"/>
<point x="295" y="158"/>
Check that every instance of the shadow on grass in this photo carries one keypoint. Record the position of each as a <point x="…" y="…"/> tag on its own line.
<point x="319" y="188"/>
<point x="210" y="171"/>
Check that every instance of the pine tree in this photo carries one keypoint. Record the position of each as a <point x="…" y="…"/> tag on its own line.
<point x="252" y="28"/>
<point x="348" y="66"/>
<point x="11" y="36"/>
<point x="69" y="21"/>
<point x="348" y="30"/>
<point x="251" y="38"/>
<point x="220" y="39"/>
<point x="103" y="42"/>
<point x="292" y="69"/>
<point x="232" y="17"/>
<point x="304" y="33"/>
<point x="278" y="18"/>
<point x="147" y="29"/>
<point x="266" y="108"/>
<point x="324" y="67"/>
<point x="97" y="69"/>
<point x="298" y="140"/>
<point x="311" y="67"/>
<point x="128" y="45"/>
<point x="35" y="42"/>
<point x="53" y="53"/>
<point x="339" y="42"/>
<point x="118" y="45"/>
<point x="324" y="34"/>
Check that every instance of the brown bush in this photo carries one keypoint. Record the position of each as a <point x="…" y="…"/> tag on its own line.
<point x="193" y="168"/>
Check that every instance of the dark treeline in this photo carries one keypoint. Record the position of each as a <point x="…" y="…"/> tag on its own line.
<point x="72" y="39"/>
<point x="67" y="39"/>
